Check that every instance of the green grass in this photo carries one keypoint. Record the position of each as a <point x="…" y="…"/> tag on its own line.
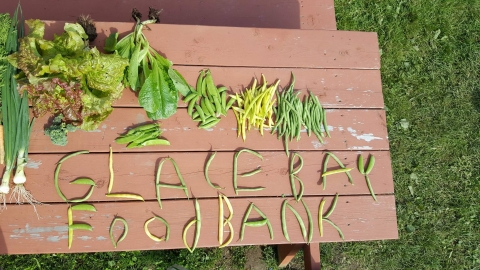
<point x="431" y="80"/>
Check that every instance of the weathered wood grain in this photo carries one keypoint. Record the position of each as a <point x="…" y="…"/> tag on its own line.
<point x="335" y="88"/>
<point x="349" y="129"/>
<point x="250" y="47"/>
<point x="135" y="173"/>
<point x="305" y="14"/>
<point x="359" y="217"/>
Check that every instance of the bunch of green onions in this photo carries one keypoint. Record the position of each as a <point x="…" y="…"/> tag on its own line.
<point x="17" y="125"/>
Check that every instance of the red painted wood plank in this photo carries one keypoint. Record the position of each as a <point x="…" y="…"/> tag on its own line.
<point x="335" y="88"/>
<point x="251" y="47"/>
<point x="135" y="173"/>
<point x="359" y="217"/>
<point x="294" y="14"/>
<point x="349" y="129"/>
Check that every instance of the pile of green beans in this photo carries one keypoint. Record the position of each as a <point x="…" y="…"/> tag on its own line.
<point x="144" y="135"/>
<point x="291" y="114"/>
<point x="366" y="171"/>
<point x="288" y="115"/>
<point x="207" y="102"/>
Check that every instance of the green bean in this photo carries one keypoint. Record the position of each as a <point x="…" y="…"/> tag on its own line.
<point x="300" y="221"/>
<point x="343" y="170"/>
<point x="229" y="104"/>
<point x="70" y="231"/>
<point x="110" y="168"/>
<point x="199" y="225"/>
<point x="171" y="186"/>
<point x="235" y="165"/>
<point x="207" y="165"/>
<point x="72" y="155"/>
<point x="184" y="235"/>
<point x="370" y="188"/>
<point x="320" y="217"/>
<point x="324" y="178"/>
<point x="336" y="227"/>
<point x="371" y="163"/>
<point x="153" y="237"/>
<point x="360" y="164"/>
<point x="341" y="166"/>
<point x="57" y="172"/>
<point x="123" y="235"/>
<point x="157" y="179"/>
<point x="251" y="189"/>
<point x="220" y="219"/>
<point x="310" y="222"/>
<point x="87" y="196"/>
<point x="245" y="218"/>
<point x="334" y="204"/>
<point x="125" y="196"/>
<point x="265" y="217"/>
<point x="284" y="221"/>
<point x="295" y="154"/>
<point x="251" y="173"/>
<point x="325" y="125"/>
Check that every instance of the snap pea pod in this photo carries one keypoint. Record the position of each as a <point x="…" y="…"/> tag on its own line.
<point x="123" y="235"/>
<point x="81" y="226"/>
<point x="360" y="165"/>
<point x="144" y="135"/>
<point x="83" y="181"/>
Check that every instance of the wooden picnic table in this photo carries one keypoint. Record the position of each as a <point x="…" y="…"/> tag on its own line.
<point x="340" y="67"/>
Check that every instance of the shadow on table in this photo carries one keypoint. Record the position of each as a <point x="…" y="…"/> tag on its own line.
<point x="239" y="13"/>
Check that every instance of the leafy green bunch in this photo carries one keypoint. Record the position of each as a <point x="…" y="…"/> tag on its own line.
<point x="65" y="76"/>
<point x="148" y="71"/>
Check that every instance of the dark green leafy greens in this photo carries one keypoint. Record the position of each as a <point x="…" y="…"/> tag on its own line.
<point x="149" y="72"/>
<point x="65" y="76"/>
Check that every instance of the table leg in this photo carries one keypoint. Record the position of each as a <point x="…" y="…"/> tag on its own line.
<point x="286" y="252"/>
<point x="311" y="256"/>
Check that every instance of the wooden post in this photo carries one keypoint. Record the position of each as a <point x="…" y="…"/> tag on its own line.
<point x="311" y="256"/>
<point x="286" y="252"/>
